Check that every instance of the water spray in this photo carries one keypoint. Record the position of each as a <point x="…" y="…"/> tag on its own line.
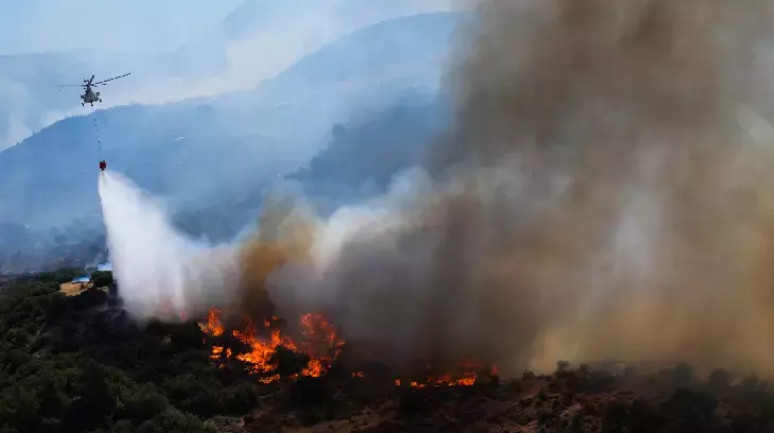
<point x="161" y="272"/>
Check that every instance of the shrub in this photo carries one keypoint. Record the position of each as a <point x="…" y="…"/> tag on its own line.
<point x="173" y="421"/>
<point x="102" y="278"/>
<point x="144" y="403"/>
<point x="719" y="380"/>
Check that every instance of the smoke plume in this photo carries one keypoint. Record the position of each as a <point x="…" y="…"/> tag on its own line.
<point x="606" y="192"/>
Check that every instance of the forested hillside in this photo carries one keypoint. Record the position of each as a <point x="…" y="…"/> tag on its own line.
<point x="80" y="364"/>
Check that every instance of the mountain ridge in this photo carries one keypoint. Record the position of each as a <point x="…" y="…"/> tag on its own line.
<point x="216" y="61"/>
<point x="243" y="139"/>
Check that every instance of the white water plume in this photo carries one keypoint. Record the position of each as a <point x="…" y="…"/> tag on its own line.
<point x="161" y="272"/>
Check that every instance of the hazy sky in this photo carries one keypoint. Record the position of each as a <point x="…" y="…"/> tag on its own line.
<point x="117" y="25"/>
<point x="264" y="38"/>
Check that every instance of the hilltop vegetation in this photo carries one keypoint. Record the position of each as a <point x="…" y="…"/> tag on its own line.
<point x="79" y="364"/>
<point x="69" y="368"/>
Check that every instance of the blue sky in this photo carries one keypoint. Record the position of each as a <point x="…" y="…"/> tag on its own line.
<point x="115" y="25"/>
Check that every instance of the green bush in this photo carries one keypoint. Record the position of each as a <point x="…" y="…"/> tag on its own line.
<point x="66" y="367"/>
<point x="144" y="403"/>
<point x="242" y="397"/>
<point x="173" y="421"/>
<point x="719" y="380"/>
<point x="102" y="278"/>
<point x="682" y="375"/>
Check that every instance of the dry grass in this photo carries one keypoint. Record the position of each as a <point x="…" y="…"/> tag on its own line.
<point x="74" y="289"/>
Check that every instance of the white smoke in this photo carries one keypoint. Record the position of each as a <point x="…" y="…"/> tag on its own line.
<point x="160" y="271"/>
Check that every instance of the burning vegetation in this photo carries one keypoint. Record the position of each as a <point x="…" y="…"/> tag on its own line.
<point x="318" y="342"/>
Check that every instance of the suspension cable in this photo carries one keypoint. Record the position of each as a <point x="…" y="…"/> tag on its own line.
<point x="96" y="129"/>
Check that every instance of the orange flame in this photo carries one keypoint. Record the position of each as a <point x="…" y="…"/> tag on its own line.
<point x="269" y="379"/>
<point x="320" y="337"/>
<point x="213" y="326"/>
<point x="260" y="357"/>
<point x="314" y="368"/>
<point x="321" y="344"/>
<point x="468" y="377"/>
<point x="216" y="352"/>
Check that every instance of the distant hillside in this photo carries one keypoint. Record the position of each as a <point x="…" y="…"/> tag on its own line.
<point x="256" y="17"/>
<point x="49" y="178"/>
<point x="359" y="160"/>
<point x="220" y="150"/>
<point x="363" y="157"/>
<point x="237" y="53"/>
<point x="29" y="95"/>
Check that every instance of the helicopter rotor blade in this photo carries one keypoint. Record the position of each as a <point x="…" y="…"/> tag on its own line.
<point x="70" y="85"/>
<point x="110" y="79"/>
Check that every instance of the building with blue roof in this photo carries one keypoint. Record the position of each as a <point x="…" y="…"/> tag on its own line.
<point x="82" y="279"/>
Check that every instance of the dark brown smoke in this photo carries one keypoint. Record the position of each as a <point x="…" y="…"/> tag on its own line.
<point x="601" y="197"/>
<point x="285" y="237"/>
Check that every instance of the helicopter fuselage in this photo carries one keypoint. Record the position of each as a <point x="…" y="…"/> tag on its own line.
<point x="90" y="97"/>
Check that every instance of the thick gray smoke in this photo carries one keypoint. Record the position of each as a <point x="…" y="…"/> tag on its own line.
<point x="606" y="193"/>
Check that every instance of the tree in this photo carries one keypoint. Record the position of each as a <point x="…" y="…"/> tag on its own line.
<point x="93" y="403"/>
<point x="102" y="278"/>
<point x="682" y="375"/>
<point x="719" y="380"/>
<point x="691" y="411"/>
<point x="19" y="409"/>
<point x="144" y="403"/>
<point x="173" y="421"/>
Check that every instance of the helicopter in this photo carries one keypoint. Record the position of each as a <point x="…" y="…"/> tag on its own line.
<point x="89" y="96"/>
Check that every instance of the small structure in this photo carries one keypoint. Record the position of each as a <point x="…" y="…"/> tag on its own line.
<point x="76" y="286"/>
<point x="82" y="279"/>
<point x="84" y="282"/>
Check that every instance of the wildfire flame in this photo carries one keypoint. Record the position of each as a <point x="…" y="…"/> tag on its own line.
<point x="213" y="326"/>
<point x="319" y="341"/>
<point x="468" y="379"/>
<point x="468" y="376"/>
